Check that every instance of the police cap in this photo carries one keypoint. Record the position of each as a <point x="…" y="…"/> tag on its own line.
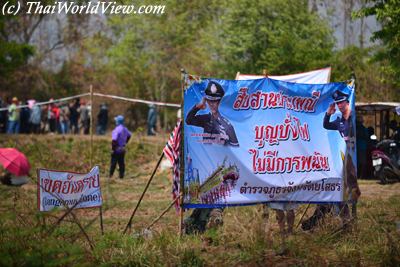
<point x="214" y="91"/>
<point x="339" y="96"/>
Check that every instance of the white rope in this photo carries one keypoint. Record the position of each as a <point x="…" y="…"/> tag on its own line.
<point x="52" y="101"/>
<point x="101" y="95"/>
<point x="139" y="100"/>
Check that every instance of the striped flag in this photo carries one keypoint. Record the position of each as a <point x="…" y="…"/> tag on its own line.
<point x="190" y="79"/>
<point x="172" y="152"/>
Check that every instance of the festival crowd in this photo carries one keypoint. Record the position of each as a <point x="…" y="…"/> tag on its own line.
<point x="54" y="118"/>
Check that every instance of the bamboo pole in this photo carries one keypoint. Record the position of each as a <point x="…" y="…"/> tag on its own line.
<point x="144" y="192"/>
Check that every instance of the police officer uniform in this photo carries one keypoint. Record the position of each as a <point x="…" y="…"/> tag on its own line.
<point x="346" y="130"/>
<point x="217" y="129"/>
<point x="345" y="127"/>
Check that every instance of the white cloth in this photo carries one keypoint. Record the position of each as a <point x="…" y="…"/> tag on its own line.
<point x="283" y="205"/>
<point x="320" y="76"/>
<point x="19" y="180"/>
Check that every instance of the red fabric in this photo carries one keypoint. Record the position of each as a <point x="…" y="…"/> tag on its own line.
<point x="14" y="161"/>
<point x="172" y="152"/>
<point x="56" y="112"/>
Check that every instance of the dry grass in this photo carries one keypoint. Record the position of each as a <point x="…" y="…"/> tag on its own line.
<point x="241" y="241"/>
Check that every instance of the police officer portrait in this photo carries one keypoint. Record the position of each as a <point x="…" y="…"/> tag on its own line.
<point x="217" y="129"/>
<point x="343" y="124"/>
<point x="346" y="128"/>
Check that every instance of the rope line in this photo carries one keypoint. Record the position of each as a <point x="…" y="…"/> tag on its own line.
<point x="157" y="103"/>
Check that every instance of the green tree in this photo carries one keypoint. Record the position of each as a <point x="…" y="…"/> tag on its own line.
<point x="26" y="52"/>
<point x="279" y="36"/>
<point x="151" y="50"/>
<point x="387" y="12"/>
<point x="356" y="61"/>
<point x="147" y="52"/>
<point x="13" y="55"/>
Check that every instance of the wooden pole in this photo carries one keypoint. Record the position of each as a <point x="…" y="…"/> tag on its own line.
<point x="302" y="216"/>
<point x="69" y="210"/>
<point x="101" y="220"/>
<point x="144" y="192"/>
<point x="83" y="230"/>
<point x="84" y="227"/>
<point x="165" y="211"/>
<point x="237" y="75"/>
<point x="329" y="75"/>
<point x="91" y="126"/>
<point x="91" y="151"/>
<point x="182" y="159"/>
<point x="75" y="219"/>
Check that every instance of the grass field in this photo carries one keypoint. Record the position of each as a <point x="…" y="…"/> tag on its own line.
<point x="27" y="237"/>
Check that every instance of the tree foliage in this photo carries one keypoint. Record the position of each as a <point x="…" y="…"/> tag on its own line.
<point x="141" y="56"/>
<point x="216" y="38"/>
<point x="150" y="51"/>
<point x="355" y="61"/>
<point x="279" y="36"/>
<point x="13" y="54"/>
<point x="28" y="44"/>
<point x="387" y="12"/>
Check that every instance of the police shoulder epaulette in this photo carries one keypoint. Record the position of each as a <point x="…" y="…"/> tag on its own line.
<point x="226" y="120"/>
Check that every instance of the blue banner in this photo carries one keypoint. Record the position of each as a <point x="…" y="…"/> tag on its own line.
<point x="254" y="141"/>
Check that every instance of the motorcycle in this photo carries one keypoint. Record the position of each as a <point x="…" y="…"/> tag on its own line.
<point x="386" y="161"/>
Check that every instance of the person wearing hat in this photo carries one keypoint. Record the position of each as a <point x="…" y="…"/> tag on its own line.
<point x="13" y="117"/>
<point x="120" y="137"/>
<point x="218" y="129"/>
<point x="345" y="126"/>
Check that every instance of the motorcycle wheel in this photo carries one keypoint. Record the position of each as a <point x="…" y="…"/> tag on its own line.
<point x="382" y="177"/>
<point x="387" y="175"/>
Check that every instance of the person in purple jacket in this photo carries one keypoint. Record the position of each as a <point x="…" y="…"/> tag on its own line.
<point x="120" y="137"/>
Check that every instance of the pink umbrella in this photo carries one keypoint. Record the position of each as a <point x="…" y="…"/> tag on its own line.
<point x="14" y="161"/>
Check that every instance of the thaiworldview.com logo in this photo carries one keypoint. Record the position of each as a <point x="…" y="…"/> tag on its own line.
<point x="76" y="7"/>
